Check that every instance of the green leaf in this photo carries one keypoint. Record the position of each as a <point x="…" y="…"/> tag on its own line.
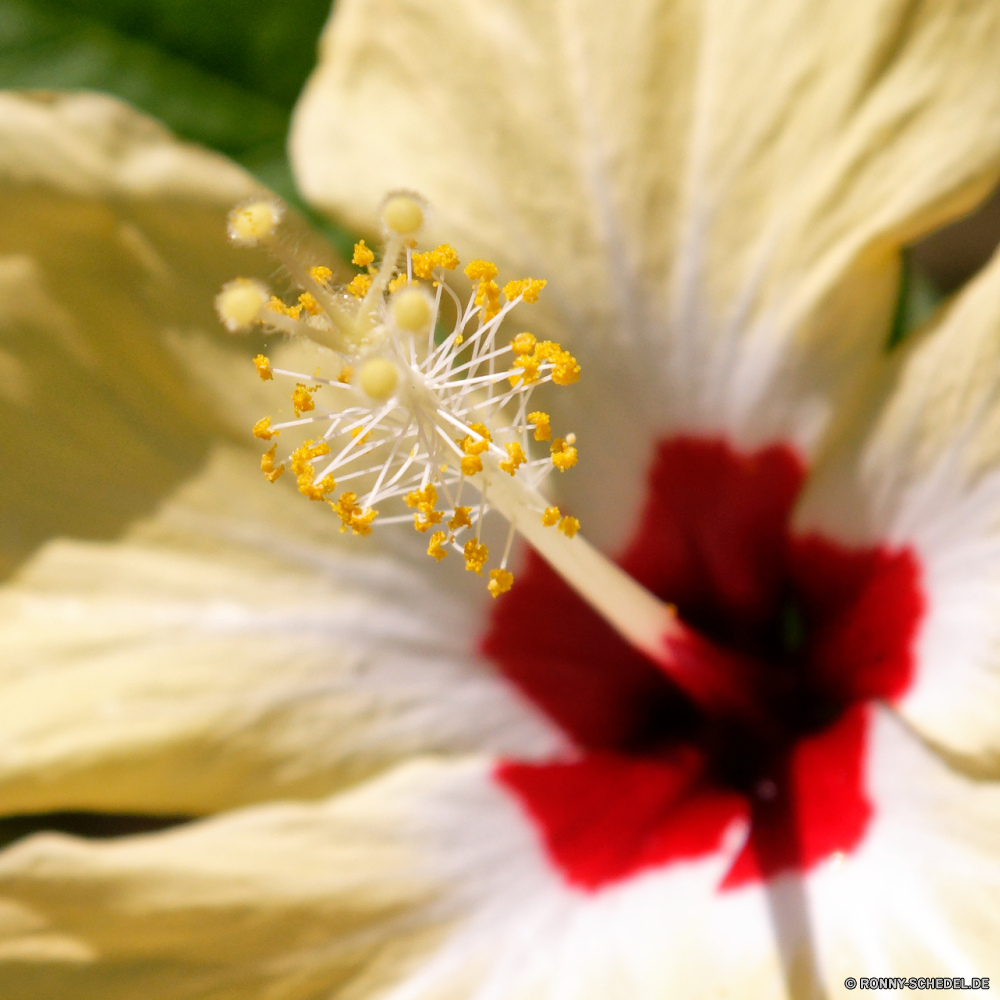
<point x="225" y="73"/>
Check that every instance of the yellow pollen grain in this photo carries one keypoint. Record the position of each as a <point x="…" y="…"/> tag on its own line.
<point x="569" y="526"/>
<point x="424" y="263"/>
<point x="515" y="457"/>
<point x="262" y="429"/>
<point x="424" y="501"/>
<point x="550" y="517"/>
<point x="271" y="473"/>
<point x="359" y="285"/>
<point x="397" y="283"/>
<point x="436" y="547"/>
<point x="312" y="490"/>
<point x="543" y="425"/>
<point x="321" y="274"/>
<point x="276" y="305"/>
<point x="263" y="366"/>
<point x="501" y="581"/>
<point x="346" y="375"/>
<point x="460" y="519"/>
<point x="476" y="554"/>
<point x="363" y="256"/>
<point x="528" y="373"/>
<point x="302" y="399"/>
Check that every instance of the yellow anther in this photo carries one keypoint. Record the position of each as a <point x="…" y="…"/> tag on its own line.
<point x="529" y="366"/>
<point x="304" y="454"/>
<point x="350" y="514"/>
<point x="315" y="491"/>
<point x="346" y="374"/>
<point x="500" y="582"/>
<point x="359" y="285"/>
<point x="363" y="256"/>
<point x="310" y="304"/>
<point x="262" y="429"/>
<point x="483" y="431"/>
<point x="424" y="263"/>
<point x="378" y="378"/>
<point x="460" y="519"/>
<point x="515" y="457"/>
<point x="412" y="310"/>
<point x="240" y="302"/>
<point x="321" y="274"/>
<point x="428" y="495"/>
<point x="267" y="464"/>
<point x="436" y="547"/>
<point x="523" y="343"/>
<point x="424" y="500"/>
<point x="527" y="287"/>
<point x="302" y="399"/>
<point x="397" y="283"/>
<point x="565" y="370"/>
<point x="254" y="220"/>
<point x="563" y="454"/>
<point x="476" y="554"/>
<point x="550" y="517"/>
<point x="276" y="305"/>
<point x="263" y="366"/>
<point x="480" y="270"/>
<point x="569" y="526"/>
<point x="543" y="425"/>
<point x="403" y="214"/>
<point x="488" y="296"/>
<point x="357" y="431"/>
<point x="470" y="465"/>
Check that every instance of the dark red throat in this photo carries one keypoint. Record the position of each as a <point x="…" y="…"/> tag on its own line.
<point x="809" y="630"/>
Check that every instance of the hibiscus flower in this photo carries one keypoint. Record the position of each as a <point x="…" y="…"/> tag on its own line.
<point x="422" y="792"/>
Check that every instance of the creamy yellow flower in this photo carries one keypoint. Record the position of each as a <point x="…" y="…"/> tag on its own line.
<point x="717" y="197"/>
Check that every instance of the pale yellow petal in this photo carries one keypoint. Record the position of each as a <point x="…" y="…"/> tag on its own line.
<point x="716" y="192"/>
<point x="234" y="648"/>
<point x="432" y="884"/>
<point x="924" y="472"/>
<point x="113" y="238"/>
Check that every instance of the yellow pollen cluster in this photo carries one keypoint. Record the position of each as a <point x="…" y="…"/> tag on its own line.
<point x="528" y="287"/>
<point x="309" y="303"/>
<point x="321" y="274"/>
<point x="471" y="462"/>
<point x="460" y="519"/>
<point x="363" y="256"/>
<point x="563" y="454"/>
<point x="425" y="516"/>
<point x="531" y="356"/>
<point x="267" y="466"/>
<point x="305" y="473"/>
<point x="424" y="263"/>
<point x="359" y="285"/>
<point x="569" y="526"/>
<point x="345" y="375"/>
<point x="488" y="291"/>
<point x="476" y="554"/>
<point x="276" y="305"/>
<point x="543" y="425"/>
<point x="351" y="515"/>
<point x="302" y="399"/>
<point x="262" y="429"/>
<point x="515" y="457"/>
<point x="500" y="582"/>
<point x="263" y="366"/>
<point x="397" y="283"/>
<point x="436" y="547"/>
<point x="550" y="517"/>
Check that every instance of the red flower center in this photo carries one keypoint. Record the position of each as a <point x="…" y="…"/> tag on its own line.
<point x="825" y="627"/>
